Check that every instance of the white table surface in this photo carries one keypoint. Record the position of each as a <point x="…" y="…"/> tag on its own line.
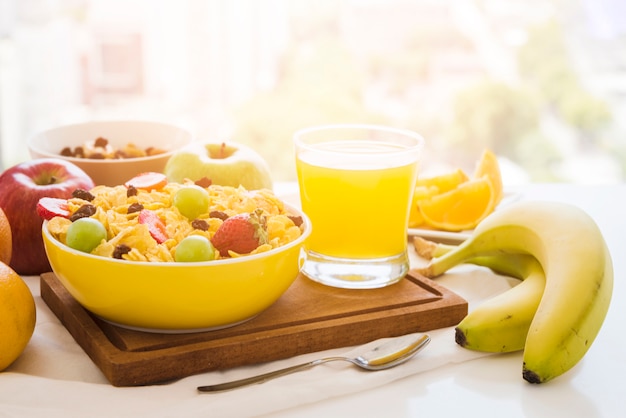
<point x="54" y="377"/>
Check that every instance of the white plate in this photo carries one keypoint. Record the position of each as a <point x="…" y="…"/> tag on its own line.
<point x="438" y="235"/>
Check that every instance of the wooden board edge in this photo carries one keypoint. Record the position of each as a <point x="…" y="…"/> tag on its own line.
<point x="138" y="368"/>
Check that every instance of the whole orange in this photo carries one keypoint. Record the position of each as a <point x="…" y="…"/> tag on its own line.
<point x="6" y="239"/>
<point x="17" y="316"/>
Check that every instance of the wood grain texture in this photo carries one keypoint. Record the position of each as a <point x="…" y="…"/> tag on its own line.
<point x="309" y="317"/>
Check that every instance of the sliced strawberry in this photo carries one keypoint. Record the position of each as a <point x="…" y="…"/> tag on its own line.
<point x="240" y="233"/>
<point x="49" y="207"/>
<point x="155" y="225"/>
<point x="148" y="181"/>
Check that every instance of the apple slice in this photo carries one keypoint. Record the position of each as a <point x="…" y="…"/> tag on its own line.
<point x="148" y="181"/>
<point x="49" y="207"/>
<point x="155" y="225"/>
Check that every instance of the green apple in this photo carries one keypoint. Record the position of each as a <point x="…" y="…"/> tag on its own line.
<point x="224" y="163"/>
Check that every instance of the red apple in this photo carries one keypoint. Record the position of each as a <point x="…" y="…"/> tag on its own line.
<point x="21" y="187"/>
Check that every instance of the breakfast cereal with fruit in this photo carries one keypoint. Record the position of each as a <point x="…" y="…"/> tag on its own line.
<point x="118" y="209"/>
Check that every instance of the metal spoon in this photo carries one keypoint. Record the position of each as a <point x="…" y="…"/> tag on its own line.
<point x="385" y="356"/>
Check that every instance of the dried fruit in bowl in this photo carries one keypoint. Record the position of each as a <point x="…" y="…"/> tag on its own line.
<point x="145" y="223"/>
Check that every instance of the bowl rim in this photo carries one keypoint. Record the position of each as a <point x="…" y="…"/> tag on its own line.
<point x="225" y="261"/>
<point x="34" y="146"/>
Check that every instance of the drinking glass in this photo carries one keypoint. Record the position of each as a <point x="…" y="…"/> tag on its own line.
<point x="356" y="184"/>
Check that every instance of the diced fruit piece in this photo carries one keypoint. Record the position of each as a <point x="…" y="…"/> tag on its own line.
<point x="148" y="181"/>
<point x="461" y="208"/>
<point x="194" y="248"/>
<point x="240" y="233"/>
<point x="203" y="182"/>
<point x="85" y="234"/>
<point x="49" y="207"/>
<point x="155" y="225"/>
<point x="191" y="201"/>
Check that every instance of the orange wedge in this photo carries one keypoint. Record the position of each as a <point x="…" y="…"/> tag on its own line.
<point x="461" y="208"/>
<point x="488" y="166"/>
<point x="420" y="193"/>
<point x="444" y="182"/>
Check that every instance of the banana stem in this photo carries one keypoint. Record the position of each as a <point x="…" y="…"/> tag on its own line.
<point x="513" y="265"/>
<point x="430" y="249"/>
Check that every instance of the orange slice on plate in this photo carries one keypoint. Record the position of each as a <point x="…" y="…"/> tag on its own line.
<point x="488" y="166"/>
<point x="461" y="208"/>
<point x="427" y="187"/>
<point x="444" y="182"/>
<point x="420" y="193"/>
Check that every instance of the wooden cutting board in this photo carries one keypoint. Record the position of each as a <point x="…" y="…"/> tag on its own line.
<point x="309" y="317"/>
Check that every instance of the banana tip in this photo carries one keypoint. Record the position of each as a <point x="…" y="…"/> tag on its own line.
<point x="459" y="337"/>
<point x="531" y="376"/>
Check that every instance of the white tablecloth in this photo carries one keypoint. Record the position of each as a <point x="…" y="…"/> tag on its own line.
<point x="54" y="377"/>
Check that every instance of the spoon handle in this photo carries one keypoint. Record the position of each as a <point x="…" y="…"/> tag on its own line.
<point x="266" y="376"/>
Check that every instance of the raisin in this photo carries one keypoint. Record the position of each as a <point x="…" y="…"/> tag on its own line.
<point x="134" y="207"/>
<point x="132" y="191"/>
<point x="83" y="194"/>
<point x="120" y="250"/>
<point x="156" y="151"/>
<point x="200" y="224"/>
<point x="101" y="142"/>
<point x="297" y="220"/>
<point x="203" y="182"/>
<point x="84" y="211"/>
<point x="218" y="214"/>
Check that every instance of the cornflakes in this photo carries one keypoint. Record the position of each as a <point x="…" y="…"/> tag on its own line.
<point x="130" y="240"/>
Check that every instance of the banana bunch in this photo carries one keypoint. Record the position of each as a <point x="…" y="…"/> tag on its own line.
<point x="557" y="310"/>
<point x="499" y="325"/>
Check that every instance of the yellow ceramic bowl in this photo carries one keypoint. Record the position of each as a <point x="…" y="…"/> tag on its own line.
<point x="111" y="172"/>
<point x="177" y="297"/>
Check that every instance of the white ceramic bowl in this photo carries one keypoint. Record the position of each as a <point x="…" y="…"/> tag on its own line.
<point x="112" y="172"/>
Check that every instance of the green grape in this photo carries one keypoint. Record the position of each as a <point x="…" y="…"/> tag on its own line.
<point x="191" y="201"/>
<point x="194" y="248"/>
<point x="85" y="234"/>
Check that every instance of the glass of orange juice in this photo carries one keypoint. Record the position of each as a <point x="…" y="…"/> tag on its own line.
<point x="356" y="183"/>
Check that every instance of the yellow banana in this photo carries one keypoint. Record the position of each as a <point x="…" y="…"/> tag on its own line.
<point x="499" y="324"/>
<point x="578" y="270"/>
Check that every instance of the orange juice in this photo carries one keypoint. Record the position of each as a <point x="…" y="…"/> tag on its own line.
<point x="358" y="204"/>
<point x="356" y="184"/>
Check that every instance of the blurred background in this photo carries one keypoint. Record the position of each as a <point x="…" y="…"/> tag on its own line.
<point x="540" y="82"/>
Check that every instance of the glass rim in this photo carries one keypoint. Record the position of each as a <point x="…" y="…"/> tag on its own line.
<point x="297" y="136"/>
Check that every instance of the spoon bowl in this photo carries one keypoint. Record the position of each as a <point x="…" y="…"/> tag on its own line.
<point x="389" y="354"/>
